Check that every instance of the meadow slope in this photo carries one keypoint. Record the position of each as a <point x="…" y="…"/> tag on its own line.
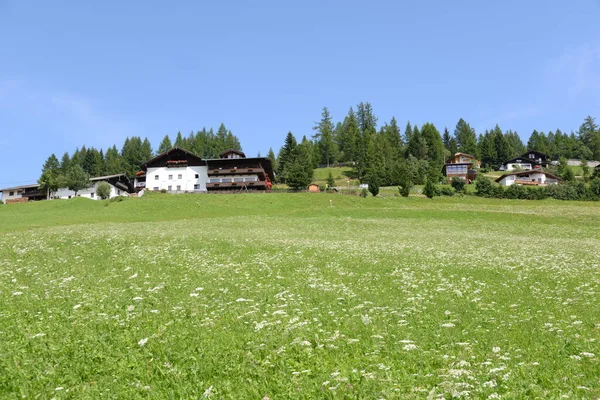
<point x="277" y="296"/>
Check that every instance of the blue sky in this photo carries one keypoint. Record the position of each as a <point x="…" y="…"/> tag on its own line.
<point x="93" y="73"/>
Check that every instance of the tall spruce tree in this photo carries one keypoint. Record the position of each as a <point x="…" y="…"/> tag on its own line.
<point x="465" y="136"/>
<point x="51" y="177"/>
<point x="286" y="154"/>
<point x="325" y="139"/>
<point x="165" y="145"/>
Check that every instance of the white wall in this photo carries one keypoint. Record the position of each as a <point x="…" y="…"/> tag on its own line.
<point x="511" y="179"/>
<point x="158" y="178"/>
<point x="513" y="166"/>
<point x="16" y="195"/>
<point x="90" y="193"/>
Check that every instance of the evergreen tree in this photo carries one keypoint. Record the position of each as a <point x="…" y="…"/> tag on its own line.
<point x="165" y="145"/>
<point x="285" y="155"/>
<point x="113" y="161"/>
<point x="501" y="146"/>
<point x="465" y="136"/>
<point x="429" y="190"/>
<point x="408" y="132"/>
<point x="179" y="141"/>
<point x="449" y="142"/>
<point x="325" y="138"/>
<point x="349" y="137"/>
<point x="417" y="145"/>
<point x="145" y="152"/>
<point x="299" y="172"/>
<point x="50" y="179"/>
<point x="271" y="156"/>
<point x="330" y="180"/>
<point x="77" y="179"/>
<point x="65" y="163"/>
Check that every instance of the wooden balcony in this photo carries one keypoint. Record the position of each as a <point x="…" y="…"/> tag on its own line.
<point x="236" y="171"/>
<point x="236" y="185"/>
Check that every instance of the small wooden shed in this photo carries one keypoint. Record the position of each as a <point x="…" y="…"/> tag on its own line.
<point x="313" y="188"/>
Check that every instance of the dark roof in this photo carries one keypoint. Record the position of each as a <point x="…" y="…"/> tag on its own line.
<point x="232" y="150"/>
<point x="182" y="152"/>
<point x="33" y="185"/>
<point x="521" y="173"/>
<point x="537" y="153"/>
<point x="522" y="160"/>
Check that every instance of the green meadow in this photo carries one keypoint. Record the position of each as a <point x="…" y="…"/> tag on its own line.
<point x="299" y="296"/>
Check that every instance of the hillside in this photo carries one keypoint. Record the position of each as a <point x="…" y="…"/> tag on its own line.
<point x="299" y="296"/>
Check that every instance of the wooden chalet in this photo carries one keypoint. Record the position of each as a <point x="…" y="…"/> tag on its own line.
<point x="530" y="160"/>
<point x="234" y="171"/>
<point x="119" y="181"/>
<point x="461" y="165"/>
<point x="23" y="193"/>
<point x="528" y="178"/>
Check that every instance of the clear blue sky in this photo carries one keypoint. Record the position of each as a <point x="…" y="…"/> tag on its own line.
<point x="93" y="73"/>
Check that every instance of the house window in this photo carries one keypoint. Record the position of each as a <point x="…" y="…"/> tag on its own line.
<point x="178" y="188"/>
<point x="196" y="176"/>
<point x="226" y="180"/>
<point x="11" y="193"/>
<point x="155" y="188"/>
<point x="179" y="176"/>
<point x="238" y="179"/>
<point x="155" y="177"/>
<point x="92" y="195"/>
<point x="170" y="177"/>
<point x="118" y="192"/>
<point x="196" y="187"/>
<point x="215" y="180"/>
<point x="169" y="188"/>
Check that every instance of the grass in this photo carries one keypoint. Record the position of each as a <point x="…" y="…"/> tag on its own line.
<point x="283" y="296"/>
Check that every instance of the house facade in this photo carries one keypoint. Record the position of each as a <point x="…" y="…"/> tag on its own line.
<point x="180" y="171"/>
<point x="530" y="160"/>
<point x="119" y="185"/>
<point x="528" y="178"/>
<point x="462" y="166"/>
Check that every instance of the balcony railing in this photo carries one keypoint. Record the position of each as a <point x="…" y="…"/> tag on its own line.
<point x="234" y="185"/>
<point x="236" y="171"/>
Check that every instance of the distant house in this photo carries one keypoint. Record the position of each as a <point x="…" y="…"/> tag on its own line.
<point x="313" y="188"/>
<point x="530" y="160"/>
<point x="528" y="178"/>
<point x="461" y="165"/>
<point x="181" y="171"/>
<point x="120" y="186"/>
<point x="22" y="193"/>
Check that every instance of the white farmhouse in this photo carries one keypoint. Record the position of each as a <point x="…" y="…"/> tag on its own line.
<point x="530" y="178"/>
<point x="176" y="170"/>
<point x="119" y="186"/>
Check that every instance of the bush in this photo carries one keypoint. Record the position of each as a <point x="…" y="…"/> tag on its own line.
<point x="484" y="187"/>
<point x="373" y="183"/>
<point x="446" y="191"/>
<point x="364" y="193"/>
<point x="458" y="184"/>
<point x="117" y="199"/>
<point x="103" y="190"/>
<point x="429" y="190"/>
<point x="330" y="180"/>
<point x="163" y="190"/>
<point x="404" y="190"/>
<point x="595" y="186"/>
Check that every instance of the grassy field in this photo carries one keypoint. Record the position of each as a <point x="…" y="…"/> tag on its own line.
<point x="257" y="296"/>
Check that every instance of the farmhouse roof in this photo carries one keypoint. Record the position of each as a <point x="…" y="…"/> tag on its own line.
<point x="33" y="185"/>
<point x="232" y="150"/>
<point x="177" y="150"/>
<point x="523" y="173"/>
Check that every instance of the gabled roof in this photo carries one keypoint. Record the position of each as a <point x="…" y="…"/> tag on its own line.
<point x="232" y="150"/>
<point x="523" y="173"/>
<point x="107" y="177"/>
<point x="33" y="185"/>
<point x="537" y="153"/>
<point x="522" y="160"/>
<point x="169" y="153"/>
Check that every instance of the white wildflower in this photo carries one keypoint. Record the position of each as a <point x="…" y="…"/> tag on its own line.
<point x="409" y="347"/>
<point x="17" y="293"/>
<point x="496" y="349"/>
<point x="143" y="341"/>
<point x="76" y="306"/>
<point x="208" y="392"/>
<point x="448" y="325"/>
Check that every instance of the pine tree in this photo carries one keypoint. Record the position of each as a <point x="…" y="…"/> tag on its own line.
<point x="349" y="137"/>
<point x="65" y="163"/>
<point x="449" y="142"/>
<point x="299" y="172"/>
<point x="271" y="156"/>
<point x="165" y="145"/>
<point x="325" y="138"/>
<point x="77" y="179"/>
<point x="465" y="137"/>
<point x="50" y="179"/>
<point x="113" y="161"/>
<point x="286" y="154"/>
<point x="179" y="141"/>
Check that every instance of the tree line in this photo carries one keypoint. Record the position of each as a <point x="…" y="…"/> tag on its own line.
<point x="74" y="170"/>
<point x="386" y="155"/>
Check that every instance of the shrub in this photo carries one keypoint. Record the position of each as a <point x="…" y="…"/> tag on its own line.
<point x="446" y="190"/>
<point x="429" y="190"/>
<point x="330" y="180"/>
<point x="103" y="190"/>
<point x="364" y="193"/>
<point x="163" y="190"/>
<point x="373" y="183"/>
<point x="458" y="184"/>
<point x="484" y="187"/>
<point x="595" y="186"/>
<point x="404" y="190"/>
<point x="117" y="199"/>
